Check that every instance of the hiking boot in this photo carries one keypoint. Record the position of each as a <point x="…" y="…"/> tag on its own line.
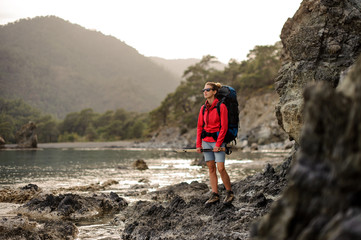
<point x="214" y="198"/>
<point x="229" y="197"/>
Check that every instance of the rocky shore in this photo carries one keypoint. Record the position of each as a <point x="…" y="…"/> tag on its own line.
<point x="179" y="212"/>
<point x="174" y="212"/>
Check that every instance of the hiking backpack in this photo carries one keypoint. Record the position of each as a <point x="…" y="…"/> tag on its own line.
<point x="228" y="96"/>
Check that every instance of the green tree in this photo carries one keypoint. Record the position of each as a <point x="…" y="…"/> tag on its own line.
<point x="103" y="119"/>
<point x="78" y="122"/>
<point x="85" y="119"/>
<point x="90" y="133"/>
<point x="180" y="107"/>
<point x="137" y="130"/>
<point x="6" y="127"/>
<point x="114" y="131"/>
<point x="47" y="129"/>
<point x="69" y="124"/>
<point x="13" y="115"/>
<point x="261" y="68"/>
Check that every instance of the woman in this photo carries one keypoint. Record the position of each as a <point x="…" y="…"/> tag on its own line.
<point x="211" y="130"/>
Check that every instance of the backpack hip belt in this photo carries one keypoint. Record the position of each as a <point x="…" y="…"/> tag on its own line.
<point x="207" y="134"/>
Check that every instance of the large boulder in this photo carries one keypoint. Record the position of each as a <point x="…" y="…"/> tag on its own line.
<point x="322" y="199"/>
<point x="321" y="40"/>
<point x="26" y="136"/>
<point x="257" y="120"/>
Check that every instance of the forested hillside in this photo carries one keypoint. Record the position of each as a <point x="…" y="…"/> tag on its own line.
<point x="59" y="67"/>
<point x="250" y="77"/>
<point x="254" y="76"/>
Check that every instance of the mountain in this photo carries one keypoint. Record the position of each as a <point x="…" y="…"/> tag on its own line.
<point x="178" y="66"/>
<point x="60" y="67"/>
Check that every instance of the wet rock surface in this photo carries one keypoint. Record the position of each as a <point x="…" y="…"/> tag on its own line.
<point x="19" y="195"/>
<point x="49" y="216"/>
<point x="19" y="227"/>
<point x="88" y="188"/>
<point x="72" y="207"/>
<point x="321" y="40"/>
<point x="322" y="200"/>
<point x="179" y="211"/>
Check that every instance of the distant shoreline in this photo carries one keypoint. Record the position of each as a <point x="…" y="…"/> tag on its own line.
<point x="115" y="144"/>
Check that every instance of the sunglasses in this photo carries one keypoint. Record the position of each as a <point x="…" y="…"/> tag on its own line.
<point x="207" y="89"/>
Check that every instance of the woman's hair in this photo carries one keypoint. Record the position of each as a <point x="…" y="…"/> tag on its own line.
<point x="215" y="86"/>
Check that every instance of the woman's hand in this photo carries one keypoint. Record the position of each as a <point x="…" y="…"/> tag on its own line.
<point x="216" y="149"/>
<point x="199" y="150"/>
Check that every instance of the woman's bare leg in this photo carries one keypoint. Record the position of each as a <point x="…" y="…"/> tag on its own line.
<point x="213" y="176"/>
<point x="224" y="175"/>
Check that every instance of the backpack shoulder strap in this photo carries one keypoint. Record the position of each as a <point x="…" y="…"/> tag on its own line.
<point x="218" y="106"/>
<point x="203" y="110"/>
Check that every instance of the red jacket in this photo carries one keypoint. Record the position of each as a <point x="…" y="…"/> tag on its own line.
<point x="213" y="122"/>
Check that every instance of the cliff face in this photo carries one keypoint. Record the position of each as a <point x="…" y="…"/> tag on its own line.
<point x="257" y="120"/>
<point x="320" y="41"/>
<point x="322" y="199"/>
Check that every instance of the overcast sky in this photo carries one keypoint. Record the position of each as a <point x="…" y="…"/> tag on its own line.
<point x="170" y="29"/>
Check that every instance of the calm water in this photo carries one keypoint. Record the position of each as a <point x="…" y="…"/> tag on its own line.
<point x="54" y="168"/>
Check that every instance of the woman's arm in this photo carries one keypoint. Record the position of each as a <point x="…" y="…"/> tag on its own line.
<point x="224" y="125"/>
<point x="199" y="128"/>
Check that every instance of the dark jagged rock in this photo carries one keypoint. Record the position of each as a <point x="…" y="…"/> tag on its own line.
<point x="186" y="190"/>
<point x="321" y="40"/>
<point x="26" y="136"/>
<point x="285" y="167"/>
<point x="20" y="195"/>
<point x="322" y="200"/>
<point x="140" y="164"/>
<point x="19" y="227"/>
<point x="51" y="215"/>
<point x="30" y="187"/>
<point x="181" y="212"/>
<point x="72" y="207"/>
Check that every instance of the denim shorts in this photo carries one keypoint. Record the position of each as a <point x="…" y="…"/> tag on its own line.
<point x="210" y="156"/>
